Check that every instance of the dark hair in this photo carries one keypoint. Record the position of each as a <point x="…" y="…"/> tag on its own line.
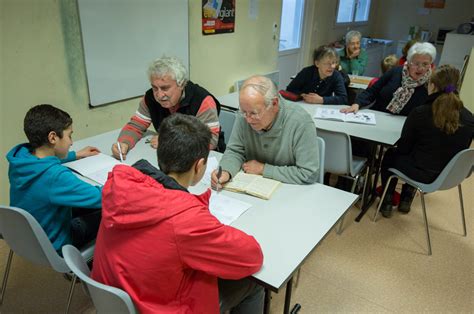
<point x="183" y="140"/>
<point x="43" y="119"/>
<point x="407" y="47"/>
<point x="446" y="108"/>
<point x="324" y="51"/>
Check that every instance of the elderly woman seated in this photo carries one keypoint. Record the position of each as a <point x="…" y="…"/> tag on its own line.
<point x="320" y="83"/>
<point x="353" y="57"/>
<point x="402" y="88"/>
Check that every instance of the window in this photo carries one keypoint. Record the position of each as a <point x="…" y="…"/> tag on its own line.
<point x="353" y="11"/>
<point x="291" y="24"/>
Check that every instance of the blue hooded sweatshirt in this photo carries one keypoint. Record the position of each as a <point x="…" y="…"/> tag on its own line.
<point x="48" y="191"/>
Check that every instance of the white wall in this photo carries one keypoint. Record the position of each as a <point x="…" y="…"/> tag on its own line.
<point x="394" y="17"/>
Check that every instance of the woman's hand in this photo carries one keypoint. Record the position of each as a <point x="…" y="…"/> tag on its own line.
<point x="354" y="108"/>
<point x="312" y="98"/>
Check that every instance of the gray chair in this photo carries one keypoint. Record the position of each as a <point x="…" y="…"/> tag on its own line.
<point x="322" y="153"/>
<point x="340" y="161"/>
<point x="458" y="168"/>
<point x="27" y="238"/>
<point x="106" y="299"/>
<point x="226" y="120"/>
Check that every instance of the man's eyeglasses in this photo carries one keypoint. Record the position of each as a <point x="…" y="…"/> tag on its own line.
<point x="424" y="65"/>
<point x="329" y="64"/>
<point x="254" y="114"/>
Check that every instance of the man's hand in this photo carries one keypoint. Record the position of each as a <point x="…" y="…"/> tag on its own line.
<point x="86" y="152"/>
<point x="217" y="184"/>
<point x="253" y="167"/>
<point x="116" y="153"/>
<point x="312" y="98"/>
<point x="154" y="141"/>
<point x="354" y="108"/>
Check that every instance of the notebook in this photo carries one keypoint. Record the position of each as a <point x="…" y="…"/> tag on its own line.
<point x="95" y="167"/>
<point x="252" y="184"/>
<point x="335" y="114"/>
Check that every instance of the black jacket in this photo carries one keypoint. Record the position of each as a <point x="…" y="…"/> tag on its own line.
<point x="382" y="93"/>
<point x="430" y="148"/>
<point x="308" y="81"/>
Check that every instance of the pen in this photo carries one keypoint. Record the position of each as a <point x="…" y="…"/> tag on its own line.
<point x="148" y="141"/>
<point x="219" y="173"/>
<point x="120" y="151"/>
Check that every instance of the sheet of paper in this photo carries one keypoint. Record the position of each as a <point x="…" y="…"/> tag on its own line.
<point x="212" y="165"/>
<point x="225" y="208"/>
<point x="95" y="167"/>
<point x="361" y="117"/>
<point x="328" y="113"/>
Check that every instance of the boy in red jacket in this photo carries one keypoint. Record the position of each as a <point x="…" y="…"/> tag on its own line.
<point x="160" y="243"/>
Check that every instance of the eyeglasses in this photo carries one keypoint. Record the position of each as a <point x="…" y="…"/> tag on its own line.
<point x="329" y="64"/>
<point x="254" y="114"/>
<point x="424" y="65"/>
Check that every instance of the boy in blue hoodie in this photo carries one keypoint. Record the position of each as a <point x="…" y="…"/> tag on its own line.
<point x="65" y="206"/>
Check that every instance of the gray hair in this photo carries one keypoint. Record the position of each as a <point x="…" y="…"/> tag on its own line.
<point x="352" y="34"/>
<point x="422" y="49"/>
<point x="169" y="66"/>
<point x="264" y="86"/>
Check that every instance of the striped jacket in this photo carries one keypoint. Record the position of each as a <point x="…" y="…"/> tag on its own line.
<point x="195" y="101"/>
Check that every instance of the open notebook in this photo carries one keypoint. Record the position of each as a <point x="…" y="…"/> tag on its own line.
<point x="252" y="184"/>
<point x="335" y="114"/>
<point x="95" y="167"/>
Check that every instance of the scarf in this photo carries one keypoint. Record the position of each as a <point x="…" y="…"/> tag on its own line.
<point x="403" y="94"/>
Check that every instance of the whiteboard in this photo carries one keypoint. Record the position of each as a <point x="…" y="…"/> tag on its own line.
<point x="121" y="38"/>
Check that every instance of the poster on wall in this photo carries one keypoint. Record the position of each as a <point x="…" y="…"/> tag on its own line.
<point x="434" y="4"/>
<point x="218" y="16"/>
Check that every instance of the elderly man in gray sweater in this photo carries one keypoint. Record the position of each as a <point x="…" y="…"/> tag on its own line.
<point x="270" y="138"/>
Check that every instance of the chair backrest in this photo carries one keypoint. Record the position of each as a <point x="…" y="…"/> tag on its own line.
<point x="457" y="169"/>
<point x="106" y="299"/>
<point x="26" y="238"/>
<point x="322" y="154"/>
<point x="338" y="157"/>
<point x="226" y="120"/>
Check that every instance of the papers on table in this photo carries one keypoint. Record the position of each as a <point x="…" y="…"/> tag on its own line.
<point x="334" y="114"/>
<point x="95" y="167"/>
<point x="226" y="209"/>
<point x="212" y="165"/>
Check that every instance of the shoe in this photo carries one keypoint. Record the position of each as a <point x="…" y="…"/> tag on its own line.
<point x="386" y="210"/>
<point x="406" y="198"/>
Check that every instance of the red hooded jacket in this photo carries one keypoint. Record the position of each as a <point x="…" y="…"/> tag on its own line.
<point x="160" y="243"/>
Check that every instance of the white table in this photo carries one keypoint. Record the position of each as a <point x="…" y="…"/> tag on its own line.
<point x="288" y="227"/>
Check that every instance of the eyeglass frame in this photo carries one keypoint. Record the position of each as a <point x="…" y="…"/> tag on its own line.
<point x="253" y="115"/>
<point x="420" y="65"/>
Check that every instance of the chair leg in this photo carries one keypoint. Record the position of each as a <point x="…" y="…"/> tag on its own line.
<point x="71" y="292"/>
<point x="297" y="277"/>
<point x="364" y="189"/>
<point x="462" y="209"/>
<point x="426" y="222"/>
<point x="383" y="196"/>
<point x="5" y="275"/>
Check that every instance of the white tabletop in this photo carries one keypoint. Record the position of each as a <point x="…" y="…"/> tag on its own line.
<point x="288" y="226"/>
<point x="387" y="130"/>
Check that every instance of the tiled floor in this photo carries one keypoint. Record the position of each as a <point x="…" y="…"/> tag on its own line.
<point x="371" y="267"/>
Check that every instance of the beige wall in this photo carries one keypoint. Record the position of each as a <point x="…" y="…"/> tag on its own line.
<point x="218" y="61"/>
<point x="322" y="25"/>
<point x="467" y="88"/>
<point x="41" y="62"/>
<point x="394" y="17"/>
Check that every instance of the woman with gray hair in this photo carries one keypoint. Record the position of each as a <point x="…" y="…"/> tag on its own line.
<point x="402" y="88"/>
<point x="353" y="57"/>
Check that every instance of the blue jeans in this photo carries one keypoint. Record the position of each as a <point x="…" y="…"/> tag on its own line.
<point x="240" y="296"/>
<point x="84" y="225"/>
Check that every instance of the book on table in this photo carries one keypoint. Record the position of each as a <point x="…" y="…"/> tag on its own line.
<point x="252" y="184"/>
<point x="334" y="114"/>
<point x="95" y="167"/>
